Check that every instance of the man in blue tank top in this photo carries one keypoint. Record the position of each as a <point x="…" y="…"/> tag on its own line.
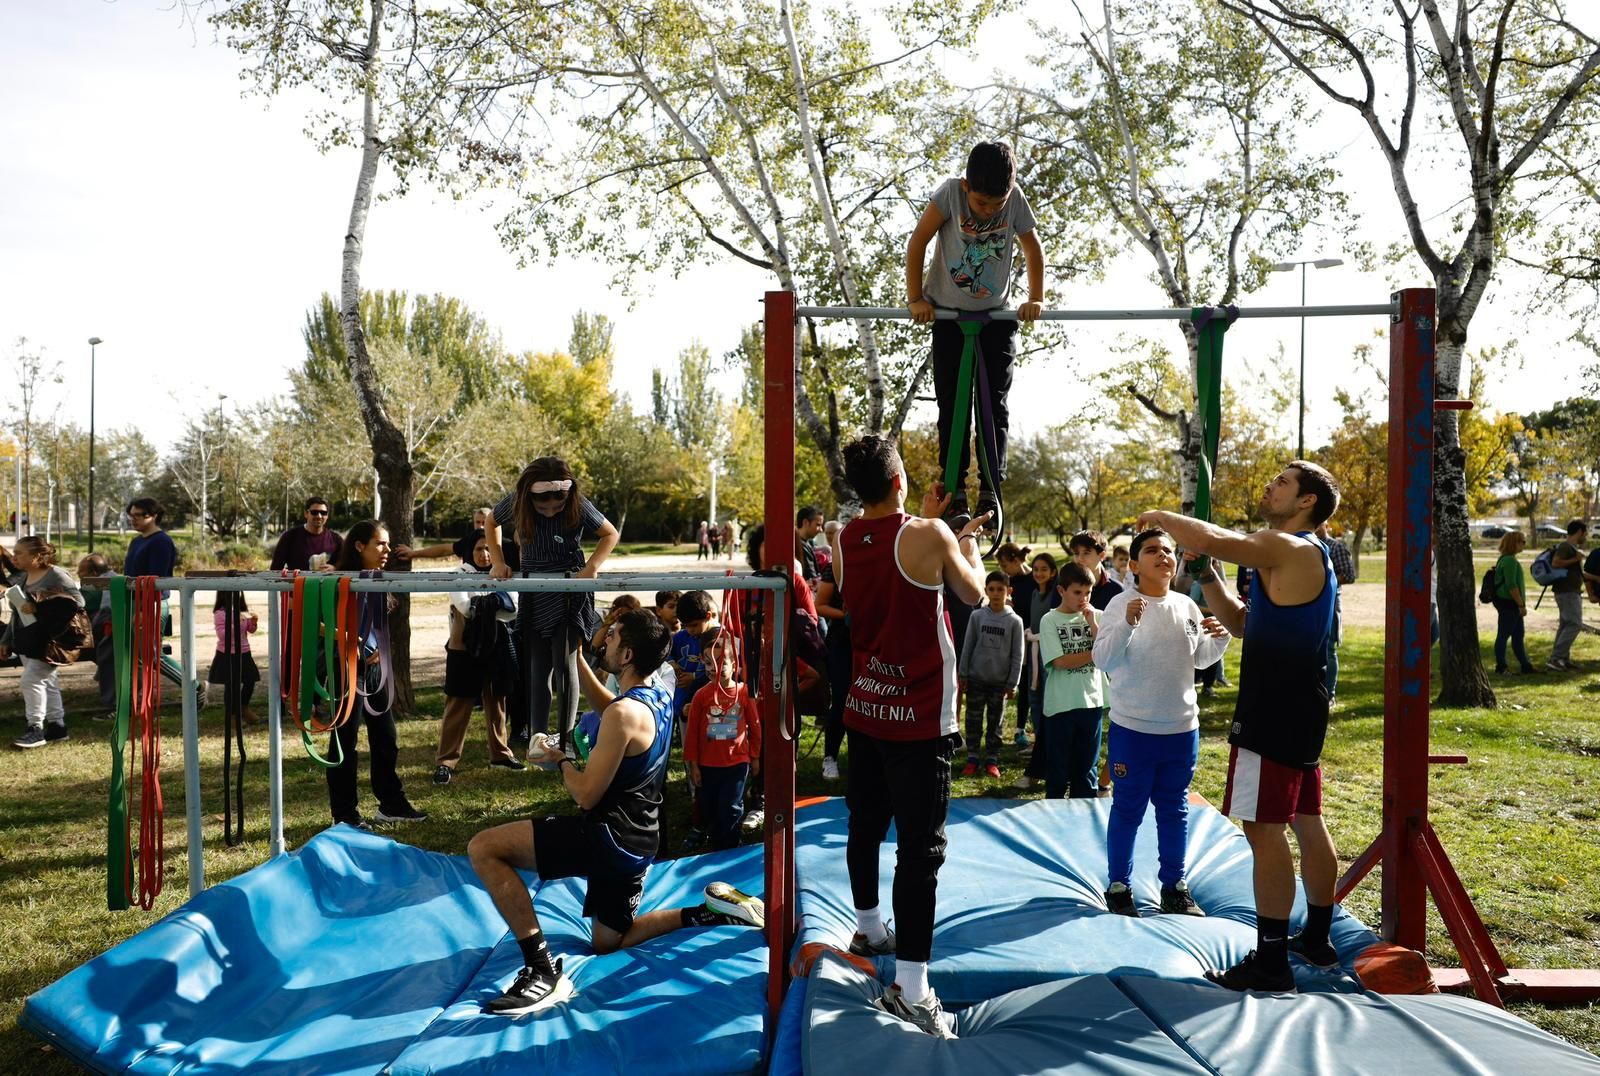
<point x="1274" y="773"/>
<point x="614" y="838"/>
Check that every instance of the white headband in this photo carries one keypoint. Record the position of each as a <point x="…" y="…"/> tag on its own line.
<point x="551" y="487"/>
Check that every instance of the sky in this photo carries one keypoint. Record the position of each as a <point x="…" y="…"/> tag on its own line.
<point x="144" y="201"/>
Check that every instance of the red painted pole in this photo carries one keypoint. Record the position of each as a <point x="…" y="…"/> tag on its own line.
<point x="1408" y="648"/>
<point x="778" y="757"/>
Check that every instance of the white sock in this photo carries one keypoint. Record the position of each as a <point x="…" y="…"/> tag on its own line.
<point x="869" y="921"/>
<point x="911" y="976"/>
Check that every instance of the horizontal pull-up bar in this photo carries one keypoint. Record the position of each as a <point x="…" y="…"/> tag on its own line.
<point x="444" y="582"/>
<point x="1183" y="313"/>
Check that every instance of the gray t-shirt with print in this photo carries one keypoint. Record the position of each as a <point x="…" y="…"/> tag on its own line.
<point x="971" y="267"/>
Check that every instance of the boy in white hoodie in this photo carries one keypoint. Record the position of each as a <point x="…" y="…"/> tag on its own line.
<point x="1151" y="640"/>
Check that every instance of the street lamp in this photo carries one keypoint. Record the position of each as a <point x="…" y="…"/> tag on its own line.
<point x="1288" y="267"/>
<point x="93" y="342"/>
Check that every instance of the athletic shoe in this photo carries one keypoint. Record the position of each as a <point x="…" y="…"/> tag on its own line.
<point x="1223" y="681"/>
<point x="830" y="769"/>
<point x="1208" y="692"/>
<point x="508" y="764"/>
<point x="1248" y="974"/>
<point x="970" y="769"/>
<point x="55" y="731"/>
<point x="754" y="819"/>
<point x="1555" y="665"/>
<point x="1322" y="955"/>
<point x="109" y="715"/>
<point x="530" y="992"/>
<point x="957" y="516"/>
<point x="34" y="737"/>
<point x="1021" y="739"/>
<point x="926" y="1014"/>
<point x="989" y="502"/>
<point x="860" y="946"/>
<point x="442" y="775"/>
<point x="733" y="907"/>
<point x="1024" y="781"/>
<point x="1119" y="901"/>
<point x="404" y="813"/>
<point x="1175" y="900"/>
<point x="355" y="822"/>
<point x="695" y="841"/>
<point x="991" y="770"/>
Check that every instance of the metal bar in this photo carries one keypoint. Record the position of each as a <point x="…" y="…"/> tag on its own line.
<point x="1406" y="651"/>
<point x="780" y="372"/>
<point x="1358" y="869"/>
<point x="1181" y="313"/>
<point x="443" y="582"/>
<point x="1483" y="983"/>
<point x="191" y="751"/>
<point x="274" y="730"/>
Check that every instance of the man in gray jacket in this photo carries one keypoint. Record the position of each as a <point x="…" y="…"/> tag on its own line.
<point x="989" y="668"/>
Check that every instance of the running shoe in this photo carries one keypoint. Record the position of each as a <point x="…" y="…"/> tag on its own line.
<point x="1175" y="900"/>
<point x="1555" y="665"/>
<point x="530" y="992"/>
<point x="355" y="822"/>
<point x="733" y="907"/>
<point x="442" y="775"/>
<point x="1119" y="901"/>
<point x="830" y="769"/>
<point x="992" y="770"/>
<point x="754" y="819"/>
<point x="989" y="503"/>
<point x="508" y="764"/>
<point x="55" y="731"/>
<point x="970" y="769"/>
<point x="1024" y="781"/>
<point x="403" y="813"/>
<point x="1320" y="955"/>
<point x="926" y="1014"/>
<point x="34" y="737"/>
<point x="860" y="946"/>
<point x="1248" y="974"/>
<point x="1021" y="738"/>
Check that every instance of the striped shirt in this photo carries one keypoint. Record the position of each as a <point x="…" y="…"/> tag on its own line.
<point x="554" y="548"/>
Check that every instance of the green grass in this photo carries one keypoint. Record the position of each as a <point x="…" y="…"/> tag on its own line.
<point x="1518" y="822"/>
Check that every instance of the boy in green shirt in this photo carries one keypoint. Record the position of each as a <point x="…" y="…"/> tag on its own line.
<point x="1074" y="690"/>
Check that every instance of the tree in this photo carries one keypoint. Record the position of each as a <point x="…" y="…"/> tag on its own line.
<point x="1485" y="439"/>
<point x="1358" y="457"/>
<point x="34" y="374"/>
<point x="1511" y="85"/>
<point x="1527" y="473"/>
<point x="1185" y="135"/>
<point x="768" y="136"/>
<point x="629" y="459"/>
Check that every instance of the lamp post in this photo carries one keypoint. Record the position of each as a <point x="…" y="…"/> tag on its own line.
<point x="94" y="341"/>
<point x="1286" y="267"/>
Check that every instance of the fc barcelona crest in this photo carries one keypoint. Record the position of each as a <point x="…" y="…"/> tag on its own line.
<point x="1120" y="769"/>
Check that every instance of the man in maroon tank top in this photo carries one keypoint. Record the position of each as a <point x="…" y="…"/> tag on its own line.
<point x="900" y="711"/>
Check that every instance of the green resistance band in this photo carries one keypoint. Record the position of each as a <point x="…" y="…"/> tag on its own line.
<point x="1210" y="332"/>
<point x="318" y="622"/>
<point x="961" y="419"/>
<point x="117" y="852"/>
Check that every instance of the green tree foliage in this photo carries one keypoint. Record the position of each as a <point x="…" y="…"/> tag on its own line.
<point x="1358" y="457"/>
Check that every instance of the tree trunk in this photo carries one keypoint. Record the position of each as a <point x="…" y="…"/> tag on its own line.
<point x="1462" y="681"/>
<point x="390" y="457"/>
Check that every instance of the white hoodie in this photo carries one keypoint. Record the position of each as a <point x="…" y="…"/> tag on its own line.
<point x="1151" y="664"/>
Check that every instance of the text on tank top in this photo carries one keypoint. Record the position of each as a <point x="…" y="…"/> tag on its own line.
<point x="1282" y="712"/>
<point x="903" y="659"/>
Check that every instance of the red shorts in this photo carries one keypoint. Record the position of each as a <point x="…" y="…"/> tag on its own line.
<point x="1260" y="790"/>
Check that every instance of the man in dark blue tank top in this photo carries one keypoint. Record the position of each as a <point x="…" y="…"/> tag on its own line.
<point x="1274" y="771"/>
<point x="613" y="840"/>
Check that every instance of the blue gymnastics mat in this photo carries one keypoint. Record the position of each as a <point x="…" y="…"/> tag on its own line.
<point x="1020" y="899"/>
<point x="357" y="954"/>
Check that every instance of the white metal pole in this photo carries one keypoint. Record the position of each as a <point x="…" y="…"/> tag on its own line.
<point x="191" y="750"/>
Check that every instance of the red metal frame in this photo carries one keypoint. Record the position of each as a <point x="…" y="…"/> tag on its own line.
<point x="1415" y="863"/>
<point x="778" y="756"/>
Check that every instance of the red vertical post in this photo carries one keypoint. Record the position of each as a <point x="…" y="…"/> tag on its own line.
<point x="1408" y="648"/>
<point x="778" y="756"/>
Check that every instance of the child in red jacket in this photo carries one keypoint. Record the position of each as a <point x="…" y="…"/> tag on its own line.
<point x="722" y="745"/>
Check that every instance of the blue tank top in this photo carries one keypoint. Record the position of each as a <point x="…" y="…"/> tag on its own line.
<point x="631" y="807"/>
<point x="1282" y="712"/>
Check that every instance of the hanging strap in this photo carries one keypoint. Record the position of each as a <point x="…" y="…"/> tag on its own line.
<point x="961" y="416"/>
<point x="135" y="738"/>
<point x="1210" y="328"/>
<point x="118" y="856"/>
<point x="232" y="726"/>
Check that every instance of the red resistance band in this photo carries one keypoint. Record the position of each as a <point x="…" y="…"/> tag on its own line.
<point x="144" y="744"/>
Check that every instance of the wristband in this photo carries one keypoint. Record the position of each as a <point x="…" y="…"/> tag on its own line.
<point x="565" y="759"/>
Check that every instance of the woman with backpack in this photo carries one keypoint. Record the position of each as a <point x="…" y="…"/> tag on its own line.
<point x="49" y="602"/>
<point x="1510" y="602"/>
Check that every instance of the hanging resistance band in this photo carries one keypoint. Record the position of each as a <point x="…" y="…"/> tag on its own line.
<point x="136" y="644"/>
<point x="968" y="408"/>
<point x="321" y="617"/>
<point x="1210" y="328"/>
<point x="232" y="722"/>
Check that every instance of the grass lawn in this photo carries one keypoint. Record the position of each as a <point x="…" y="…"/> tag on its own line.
<point x="1519" y="823"/>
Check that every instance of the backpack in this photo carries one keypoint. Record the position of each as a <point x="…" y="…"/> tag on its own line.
<point x="1544" y="571"/>
<point x="1486" y="592"/>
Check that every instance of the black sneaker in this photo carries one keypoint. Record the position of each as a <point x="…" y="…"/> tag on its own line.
<point x="30" y="739"/>
<point x="988" y="502"/>
<point x="442" y="775"/>
<point x="508" y="764"/>
<point x="1321" y="955"/>
<point x="530" y="992"/>
<point x="1248" y="974"/>
<point x="956" y="516"/>
<point x="355" y="822"/>
<point x="404" y="813"/>
<point x="1119" y="901"/>
<point x="55" y="731"/>
<point x="1175" y="900"/>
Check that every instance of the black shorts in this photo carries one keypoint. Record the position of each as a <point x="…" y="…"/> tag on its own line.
<point x="564" y="848"/>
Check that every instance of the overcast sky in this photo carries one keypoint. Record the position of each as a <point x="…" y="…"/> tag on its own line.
<point x="144" y="201"/>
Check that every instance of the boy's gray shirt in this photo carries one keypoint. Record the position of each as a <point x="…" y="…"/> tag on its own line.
<point x="971" y="267"/>
<point x="991" y="653"/>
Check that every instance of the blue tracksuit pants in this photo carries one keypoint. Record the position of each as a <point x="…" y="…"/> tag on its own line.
<point x="1146" y="769"/>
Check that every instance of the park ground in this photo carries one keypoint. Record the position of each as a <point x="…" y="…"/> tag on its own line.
<point x="1519" y="821"/>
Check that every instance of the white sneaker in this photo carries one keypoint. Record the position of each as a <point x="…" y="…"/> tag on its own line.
<point x="926" y="1014"/>
<point x="830" y="769"/>
<point x="754" y="820"/>
<point x="1024" y="781"/>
